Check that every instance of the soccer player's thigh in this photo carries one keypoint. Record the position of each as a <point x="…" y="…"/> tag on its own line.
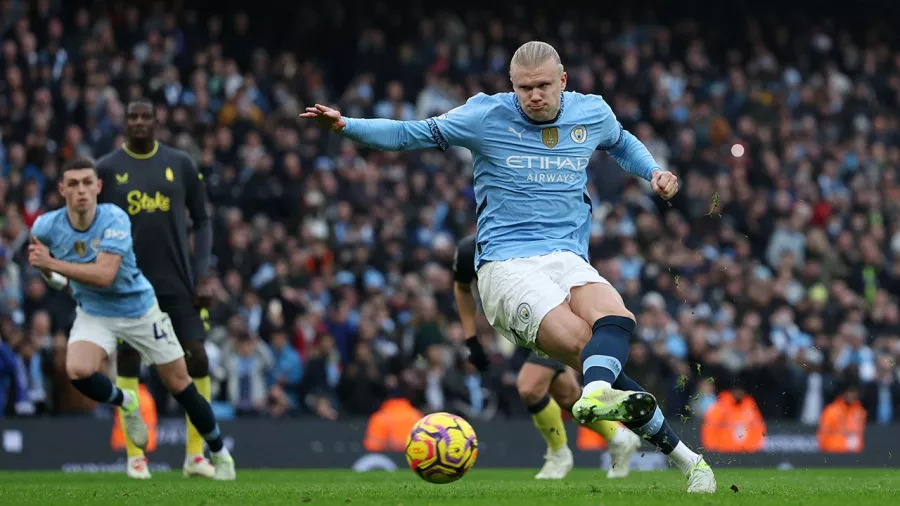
<point x="91" y="340"/>
<point x="524" y="304"/>
<point x="154" y="337"/>
<point x="536" y="376"/>
<point x="591" y="296"/>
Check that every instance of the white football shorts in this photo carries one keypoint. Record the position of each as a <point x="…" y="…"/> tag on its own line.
<point x="151" y="335"/>
<point x="517" y="294"/>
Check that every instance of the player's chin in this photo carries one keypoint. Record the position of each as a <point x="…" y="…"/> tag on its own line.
<point x="540" y="115"/>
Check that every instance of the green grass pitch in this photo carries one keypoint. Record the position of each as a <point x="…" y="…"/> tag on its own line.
<point x="489" y="487"/>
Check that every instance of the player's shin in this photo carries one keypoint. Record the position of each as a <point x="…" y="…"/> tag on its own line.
<point x="657" y="431"/>
<point x="607" y="351"/>
<point x="201" y="416"/>
<point x="606" y="429"/>
<point x="547" y="417"/>
<point x="194" y="444"/>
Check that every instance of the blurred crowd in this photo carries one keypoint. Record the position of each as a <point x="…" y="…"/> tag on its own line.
<point x="776" y="268"/>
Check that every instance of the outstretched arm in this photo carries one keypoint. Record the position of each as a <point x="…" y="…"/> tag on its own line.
<point x="459" y="127"/>
<point x="390" y="135"/>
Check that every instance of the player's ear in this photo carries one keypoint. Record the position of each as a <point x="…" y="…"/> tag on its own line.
<point x="99" y="184"/>
<point x="61" y="188"/>
<point x="563" y="79"/>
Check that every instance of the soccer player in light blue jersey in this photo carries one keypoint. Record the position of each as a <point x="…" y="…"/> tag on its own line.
<point x="89" y="246"/>
<point x="531" y="148"/>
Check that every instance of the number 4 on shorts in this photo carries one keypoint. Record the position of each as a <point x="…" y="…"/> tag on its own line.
<point x="159" y="332"/>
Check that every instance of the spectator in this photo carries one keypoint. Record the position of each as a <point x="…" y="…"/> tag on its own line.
<point x="248" y="364"/>
<point x="13" y="380"/>
<point x="881" y="397"/>
<point x="843" y="424"/>
<point x="390" y="425"/>
<point x="284" y="379"/>
<point x="734" y="423"/>
<point x="362" y="388"/>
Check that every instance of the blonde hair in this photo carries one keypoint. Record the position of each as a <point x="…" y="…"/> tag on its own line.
<point x="534" y="54"/>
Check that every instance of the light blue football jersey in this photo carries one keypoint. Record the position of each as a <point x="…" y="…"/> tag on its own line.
<point x="530" y="177"/>
<point x="131" y="294"/>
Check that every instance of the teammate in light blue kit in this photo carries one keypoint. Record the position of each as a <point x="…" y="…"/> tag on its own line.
<point x="531" y="148"/>
<point x="90" y="245"/>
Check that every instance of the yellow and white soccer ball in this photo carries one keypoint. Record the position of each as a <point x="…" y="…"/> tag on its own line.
<point x="441" y="448"/>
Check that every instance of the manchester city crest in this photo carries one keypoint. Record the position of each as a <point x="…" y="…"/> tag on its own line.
<point x="524" y="312"/>
<point x="579" y="134"/>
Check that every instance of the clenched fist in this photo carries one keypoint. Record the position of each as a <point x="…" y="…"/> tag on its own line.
<point x="664" y="183"/>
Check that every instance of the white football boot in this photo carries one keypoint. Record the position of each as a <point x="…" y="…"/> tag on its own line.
<point x="132" y="421"/>
<point x="557" y="464"/>
<point x="199" y="466"/>
<point x="138" y="468"/>
<point x="224" y="465"/>
<point x="701" y="479"/>
<point x="622" y="446"/>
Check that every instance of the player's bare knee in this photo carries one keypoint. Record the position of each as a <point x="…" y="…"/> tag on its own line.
<point x="196" y="359"/>
<point x="177" y="382"/>
<point x="174" y="375"/>
<point x="625" y="313"/>
<point x="594" y="301"/>
<point x="611" y="310"/>
<point x="77" y="371"/>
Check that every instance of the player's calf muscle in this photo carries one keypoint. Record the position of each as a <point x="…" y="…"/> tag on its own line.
<point x="533" y="383"/>
<point x="566" y="390"/>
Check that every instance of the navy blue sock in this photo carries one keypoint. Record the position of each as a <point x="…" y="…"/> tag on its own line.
<point x="605" y="354"/>
<point x="201" y="415"/>
<point x="653" y="428"/>
<point x="99" y="388"/>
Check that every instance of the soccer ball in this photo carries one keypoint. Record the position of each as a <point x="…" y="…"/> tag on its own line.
<point x="441" y="448"/>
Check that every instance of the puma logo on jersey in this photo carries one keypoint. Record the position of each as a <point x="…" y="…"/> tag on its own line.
<point x="139" y="201"/>
<point x="519" y="134"/>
